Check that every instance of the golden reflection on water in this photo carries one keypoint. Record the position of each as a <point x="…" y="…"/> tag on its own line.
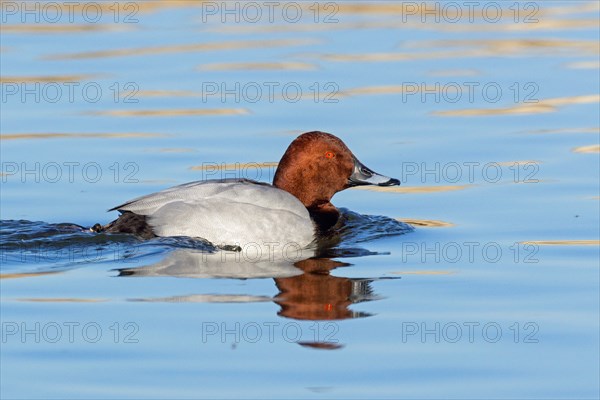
<point x="259" y="66"/>
<point x="30" y="136"/>
<point x="64" y="28"/>
<point x="411" y="16"/>
<point x="473" y="48"/>
<point x="520" y="109"/>
<point x="408" y="24"/>
<point x="27" y="274"/>
<point x="62" y="300"/>
<point x="518" y="163"/>
<point x="543" y="24"/>
<point x="359" y="91"/>
<point x="162" y="93"/>
<point x="584" y="65"/>
<point x="400" y="8"/>
<point x="563" y="242"/>
<point x="397" y="56"/>
<point x="386" y="89"/>
<point x="173" y="112"/>
<point x="302" y="27"/>
<point x="564" y="130"/>
<point x="543" y="106"/>
<point x="394" y="89"/>
<point x="184" y="48"/>
<point x="140" y="6"/>
<point x="434" y="11"/>
<point x="573" y="8"/>
<point x="426" y="223"/>
<point x="329" y="16"/>
<point x="594" y="148"/>
<point x="548" y="105"/>
<point x="517" y="46"/>
<point x="46" y="78"/>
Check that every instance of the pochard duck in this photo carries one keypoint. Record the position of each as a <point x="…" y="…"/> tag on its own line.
<point x="235" y="212"/>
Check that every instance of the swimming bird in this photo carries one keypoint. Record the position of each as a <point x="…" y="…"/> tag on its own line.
<point x="295" y="209"/>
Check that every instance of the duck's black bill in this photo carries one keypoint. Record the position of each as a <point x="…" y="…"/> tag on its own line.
<point x="365" y="176"/>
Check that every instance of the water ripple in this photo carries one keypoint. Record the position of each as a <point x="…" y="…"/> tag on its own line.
<point x="31" y="247"/>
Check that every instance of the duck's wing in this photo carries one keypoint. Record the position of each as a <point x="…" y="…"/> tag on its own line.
<point x="226" y="213"/>
<point x="144" y="205"/>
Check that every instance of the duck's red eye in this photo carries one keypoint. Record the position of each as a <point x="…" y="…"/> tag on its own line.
<point x="329" y="154"/>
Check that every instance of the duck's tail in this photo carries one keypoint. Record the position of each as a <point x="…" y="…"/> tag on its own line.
<point x="127" y="222"/>
<point x="97" y="228"/>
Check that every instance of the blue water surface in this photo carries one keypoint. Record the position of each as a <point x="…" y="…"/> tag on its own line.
<point x="493" y="293"/>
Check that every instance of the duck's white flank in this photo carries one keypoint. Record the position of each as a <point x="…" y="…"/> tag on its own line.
<point x="230" y="212"/>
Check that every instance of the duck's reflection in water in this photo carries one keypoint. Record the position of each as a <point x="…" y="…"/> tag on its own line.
<point x="189" y="263"/>
<point x="317" y="295"/>
<point x="307" y="289"/>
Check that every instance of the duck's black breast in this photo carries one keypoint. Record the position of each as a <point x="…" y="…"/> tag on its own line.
<point x="324" y="217"/>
